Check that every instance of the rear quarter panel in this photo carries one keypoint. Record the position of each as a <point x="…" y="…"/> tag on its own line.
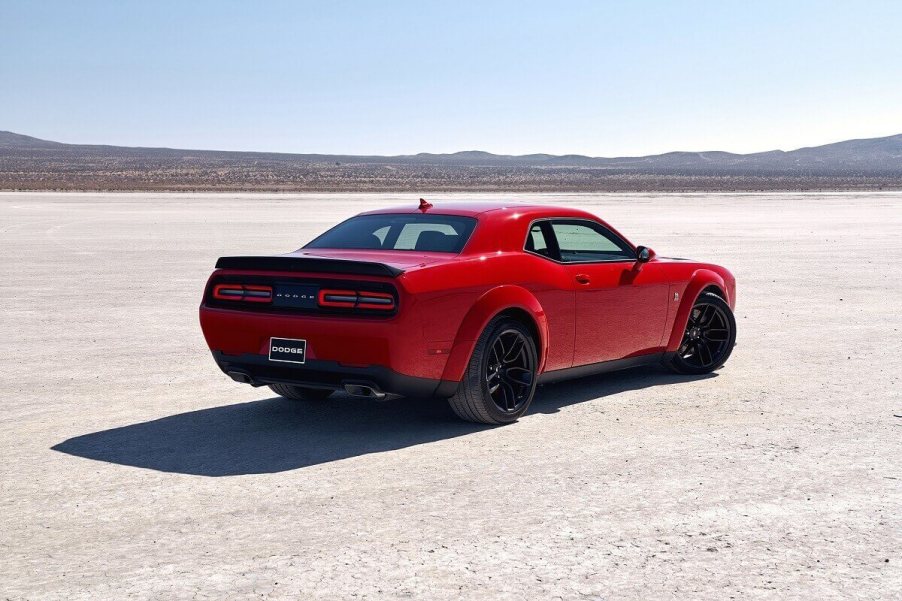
<point x="456" y="300"/>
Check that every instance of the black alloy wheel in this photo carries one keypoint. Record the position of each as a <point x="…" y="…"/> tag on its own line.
<point x="709" y="336"/>
<point x="509" y="371"/>
<point x="500" y="379"/>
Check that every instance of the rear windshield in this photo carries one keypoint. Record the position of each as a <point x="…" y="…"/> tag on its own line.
<point x="427" y="233"/>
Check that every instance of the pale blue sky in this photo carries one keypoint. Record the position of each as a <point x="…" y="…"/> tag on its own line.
<point x="598" y="78"/>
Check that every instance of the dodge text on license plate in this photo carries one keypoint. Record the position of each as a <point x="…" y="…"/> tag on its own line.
<point x="287" y="350"/>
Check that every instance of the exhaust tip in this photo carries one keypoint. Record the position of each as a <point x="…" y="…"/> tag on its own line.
<point x="364" y="391"/>
<point x="240" y="376"/>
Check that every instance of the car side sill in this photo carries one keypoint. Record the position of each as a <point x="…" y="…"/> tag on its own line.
<point x="599" y="368"/>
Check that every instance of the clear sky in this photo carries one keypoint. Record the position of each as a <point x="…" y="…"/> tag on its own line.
<point x="382" y="77"/>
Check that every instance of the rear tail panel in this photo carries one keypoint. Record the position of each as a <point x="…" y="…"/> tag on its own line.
<point x="302" y="294"/>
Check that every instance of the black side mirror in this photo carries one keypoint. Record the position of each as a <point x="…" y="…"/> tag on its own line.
<point x="644" y="254"/>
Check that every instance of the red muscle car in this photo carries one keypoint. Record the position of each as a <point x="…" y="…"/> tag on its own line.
<point x="474" y="302"/>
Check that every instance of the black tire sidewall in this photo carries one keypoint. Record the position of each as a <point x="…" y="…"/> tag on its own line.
<point x="300" y="393"/>
<point x="709" y="297"/>
<point x="497" y="328"/>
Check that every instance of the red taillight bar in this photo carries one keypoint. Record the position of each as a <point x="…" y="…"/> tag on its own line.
<point x="356" y="299"/>
<point x="337" y="298"/>
<point x="375" y="300"/>
<point x="243" y="292"/>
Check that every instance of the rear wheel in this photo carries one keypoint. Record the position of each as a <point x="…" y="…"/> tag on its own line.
<point x="709" y="336"/>
<point x="500" y="379"/>
<point x="300" y="393"/>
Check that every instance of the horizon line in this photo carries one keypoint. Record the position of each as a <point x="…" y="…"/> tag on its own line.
<point x="529" y="154"/>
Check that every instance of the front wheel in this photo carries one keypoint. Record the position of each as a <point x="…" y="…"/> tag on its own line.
<point x="500" y="379"/>
<point x="300" y="393"/>
<point x="709" y="336"/>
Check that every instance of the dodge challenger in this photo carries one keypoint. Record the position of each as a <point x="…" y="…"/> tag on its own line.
<point x="474" y="302"/>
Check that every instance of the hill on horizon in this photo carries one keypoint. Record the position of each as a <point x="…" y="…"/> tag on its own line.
<point x="32" y="163"/>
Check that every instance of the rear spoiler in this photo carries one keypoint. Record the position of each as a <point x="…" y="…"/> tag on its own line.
<point x="308" y="264"/>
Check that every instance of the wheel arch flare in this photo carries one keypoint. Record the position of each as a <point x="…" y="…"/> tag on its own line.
<point x="511" y="300"/>
<point x="702" y="280"/>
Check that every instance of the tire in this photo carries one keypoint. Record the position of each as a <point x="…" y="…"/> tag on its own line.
<point x="709" y="337"/>
<point x="500" y="380"/>
<point x="300" y="393"/>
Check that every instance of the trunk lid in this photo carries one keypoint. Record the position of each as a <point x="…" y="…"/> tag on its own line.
<point x="351" y="262"/>
<point x="404" y="260"/>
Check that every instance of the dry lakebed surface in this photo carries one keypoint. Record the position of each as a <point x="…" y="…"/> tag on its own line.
<point x="130" y="467"/>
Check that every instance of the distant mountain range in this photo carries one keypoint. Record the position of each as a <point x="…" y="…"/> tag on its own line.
<point x="32" y="163"/>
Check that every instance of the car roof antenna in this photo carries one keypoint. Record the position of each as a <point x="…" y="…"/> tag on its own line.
<point x="424" y="205"/>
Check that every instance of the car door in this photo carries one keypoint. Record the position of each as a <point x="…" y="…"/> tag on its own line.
<point x="620" y="304"/>
<point x="549" y="282"/>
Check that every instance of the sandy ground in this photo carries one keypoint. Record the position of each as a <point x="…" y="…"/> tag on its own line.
<point x="132" y="468"/>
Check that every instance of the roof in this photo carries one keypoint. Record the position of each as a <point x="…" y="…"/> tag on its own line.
<point x="477" y="208"/>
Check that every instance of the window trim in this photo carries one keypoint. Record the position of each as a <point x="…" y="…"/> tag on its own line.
<point x="557" y="245"/>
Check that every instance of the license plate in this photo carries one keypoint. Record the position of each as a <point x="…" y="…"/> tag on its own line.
<point x="287" y="350"/>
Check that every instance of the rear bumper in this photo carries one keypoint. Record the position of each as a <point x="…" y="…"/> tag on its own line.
<point x="396" y="343"/>
<point x="258" y="370"/>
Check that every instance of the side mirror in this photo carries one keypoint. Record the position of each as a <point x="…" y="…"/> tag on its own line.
<point x="644" y="254"/>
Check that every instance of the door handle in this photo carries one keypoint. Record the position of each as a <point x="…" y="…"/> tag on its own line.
<point x="582" y="278"/>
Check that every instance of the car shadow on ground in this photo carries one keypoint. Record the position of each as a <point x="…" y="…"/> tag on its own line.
<point x="276" y="435"/>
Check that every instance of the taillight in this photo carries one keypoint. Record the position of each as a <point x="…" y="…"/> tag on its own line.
<point x="243" y="292"/>
<point x="337" y="298"/>
<point x="375" y="300"/>
<point x="356" y="299"/>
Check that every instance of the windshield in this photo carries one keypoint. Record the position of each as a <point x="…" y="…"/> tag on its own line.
<point x="426" y="233"/>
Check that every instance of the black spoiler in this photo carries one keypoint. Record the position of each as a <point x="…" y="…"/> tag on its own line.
<point x="309" y="264"/>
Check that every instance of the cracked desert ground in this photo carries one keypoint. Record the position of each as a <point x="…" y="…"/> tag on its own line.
<point x="130" y="467"/>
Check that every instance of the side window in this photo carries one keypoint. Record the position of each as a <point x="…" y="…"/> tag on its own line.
<point x="535" y="241"/>
<point x="584" y="241"/>
<point x="381" y="233"/>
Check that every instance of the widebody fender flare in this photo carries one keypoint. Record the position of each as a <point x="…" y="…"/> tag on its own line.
<point x="486" y="307"/>
<point x="701" y="279"/>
